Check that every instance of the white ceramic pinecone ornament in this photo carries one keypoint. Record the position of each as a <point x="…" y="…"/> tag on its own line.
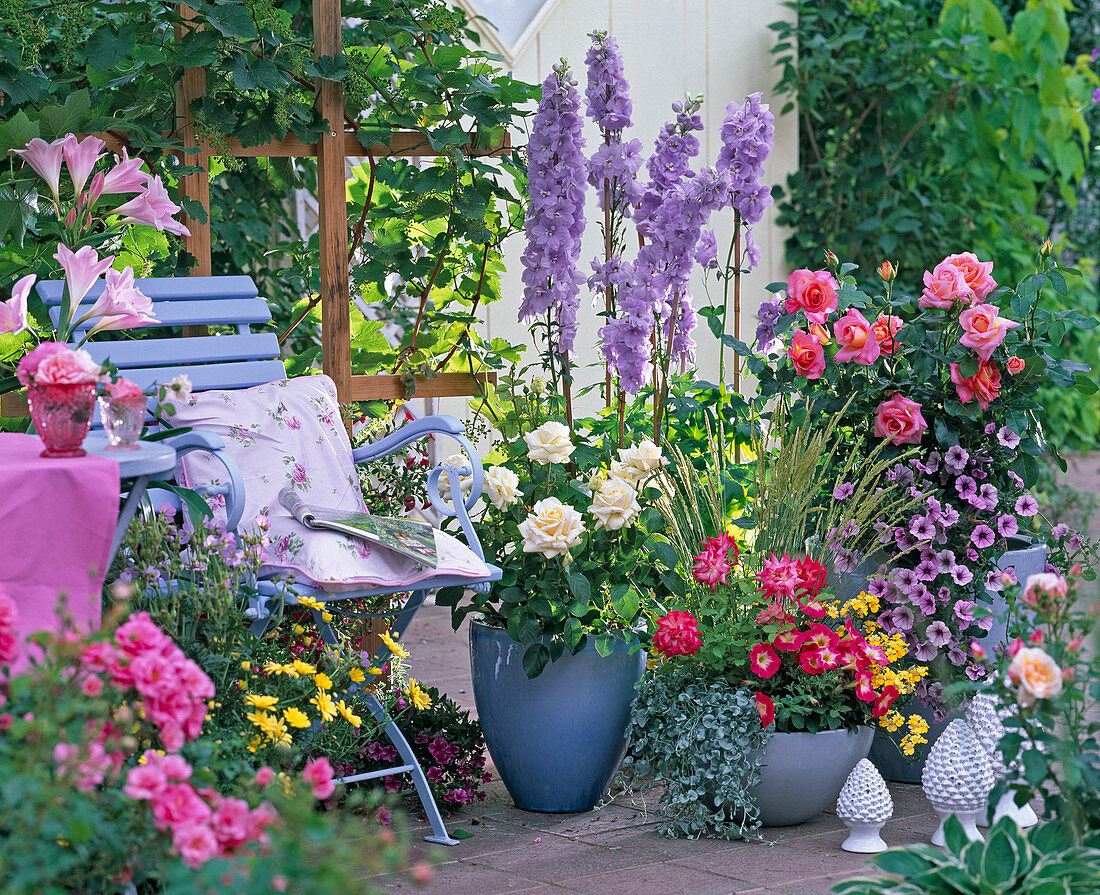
<point x="864" y="805"/>
<point x="957" y="779"/>
<point x="986" y="718"/>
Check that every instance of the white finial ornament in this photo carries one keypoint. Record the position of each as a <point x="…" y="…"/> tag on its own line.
<point x="957" y="779"/>
<point x="986" y="719"/>
<point x="864" y="805"/>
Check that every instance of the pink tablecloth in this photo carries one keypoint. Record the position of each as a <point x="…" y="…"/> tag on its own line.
<point x="57" y="519"/>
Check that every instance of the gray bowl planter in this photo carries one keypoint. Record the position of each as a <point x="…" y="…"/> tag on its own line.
<point x="556" y="740"/>
<point x="803" y="773"/>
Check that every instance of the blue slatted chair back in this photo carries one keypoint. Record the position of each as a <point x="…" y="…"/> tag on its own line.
<point x="240" y="359"/>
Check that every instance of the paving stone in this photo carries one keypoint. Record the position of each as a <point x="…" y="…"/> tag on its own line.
<point x="770" y="865"/>
<point x="658" y="879"/>
<point x="554" y="860"/>
<point x="456" y="878"/>
<point x="647" y="842"/>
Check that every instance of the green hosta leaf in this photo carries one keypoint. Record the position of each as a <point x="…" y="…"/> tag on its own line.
<point x="902" y="863"/>
<point x="955" y="835"/>
<point x="1002" y="858"/>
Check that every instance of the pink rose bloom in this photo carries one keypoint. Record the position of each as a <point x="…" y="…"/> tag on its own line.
<point x="196" y="844"/>
<point x="9" y="615"/>
<point x="984" y="329"/>
<point x="28" y="366"/>
<point x="677" y="634"/>
<point x="977" y="274"/>
<point x="264" y="776"/>
<point x="318" y="774"/>
<point x="807" y="354"/>
<point x="124" y="388"/>
<point x="1037" y="675"/>
<point x="899" y="420"/>
<point x="229" y="823"/>
<point x="145" y="782"/>
<point x="985" y="385"/>
<point x="1049" y="584"/>
<point x="67" y="367"/>
<point x="1015" y="365"/>
<point x="812" y="291"/>
<point x="856" y="340"/>
<point x="140" y="633"/>
<point x="942" y="287"/>
<point x="179" y="805"/>
<point x="886" y="330"/>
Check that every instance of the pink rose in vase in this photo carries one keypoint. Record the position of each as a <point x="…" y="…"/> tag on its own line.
<point x="28" y="366"/>
<point x="67" y="367"/>
<point x="123" y="389"/>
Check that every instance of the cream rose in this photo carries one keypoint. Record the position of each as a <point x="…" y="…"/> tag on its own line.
<point x="644" y="458"/>
<point x="1037" y="675"/>
<point x="549" y="443"/>
<point x="615" y="505"/>
<point x="552" y="529"/>
<point x="465" y="482"/>
<point x="501" y="487"/>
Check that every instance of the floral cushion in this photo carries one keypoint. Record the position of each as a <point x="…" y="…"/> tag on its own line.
<point x="290" y="433"/>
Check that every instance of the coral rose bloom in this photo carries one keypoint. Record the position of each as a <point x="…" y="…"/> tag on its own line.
<point x="677" y="635"/>
<point x="812" y="291"/>
<point x="886" y="329"/>
<point x="856" y="340"/>
<point x="977" y="274"/>
<point x="1037" y="675"/>
<point x="807" y="354"/>
<point x="900" y="420"/>
<point x="985" y="385"/>
<point x="1015" y="365"/>
<point x="942" y="287"/>
<point x="985" y="330"/>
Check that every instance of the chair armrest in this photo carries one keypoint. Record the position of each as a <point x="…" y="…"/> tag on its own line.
<point x="441" y="424"/>
<point x="212" y="444"/>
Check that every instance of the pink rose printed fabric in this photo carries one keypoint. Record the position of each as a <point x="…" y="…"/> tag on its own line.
<point x="289" y="433"/>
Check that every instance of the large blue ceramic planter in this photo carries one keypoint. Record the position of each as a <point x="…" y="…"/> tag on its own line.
<point x="557" y="739"/>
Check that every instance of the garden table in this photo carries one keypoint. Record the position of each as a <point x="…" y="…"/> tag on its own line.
<point x="139" y="465"/>
<point x="57" y="521"/>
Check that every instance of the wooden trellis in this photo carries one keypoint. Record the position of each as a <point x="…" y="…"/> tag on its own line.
<point x="331" y="152"/>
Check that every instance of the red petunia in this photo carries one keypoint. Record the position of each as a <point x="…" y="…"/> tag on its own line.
<point x="885" y="700"/>
<point x="821" y="636"/>
<point x="764" y="660"/>
<point x="766" y="708"/>
<point x="812" y="661"/>
<point x="677" y="634"/>
<point x="864" y="691"/>
<point x="790" y="640"/>
<point x="813" y="608"/>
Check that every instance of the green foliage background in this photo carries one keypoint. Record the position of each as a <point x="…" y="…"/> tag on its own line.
<point x="928" y="128"/>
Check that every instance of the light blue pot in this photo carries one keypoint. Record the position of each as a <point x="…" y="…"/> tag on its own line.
<point x="556" y="740"/>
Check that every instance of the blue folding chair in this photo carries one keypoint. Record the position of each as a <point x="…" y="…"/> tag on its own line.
<point x="242" y="359"/>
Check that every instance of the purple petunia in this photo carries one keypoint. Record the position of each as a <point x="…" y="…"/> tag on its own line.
<point x="989" y="495"/>
<point x="1026" y="505"/>
<point x="938" y="634"/>
<point x="925" y="651"/>
<point x="927" y="569"/>
<point x="982" y="536"/>
<point x="921" y="528"/>
<point x="903" y="618"/>
<point x="956" y="458"/>
<point x="966" y="487"/>
<point x="843" y="491"/>
<point x="975" y="672"/>
<point x="1059" y="531"/>
<point x="1007" y="525"/>
<point x="923" y="599"/>
<point x="876" y="586"/>
<point x="1007" y="437"/>
<point x="964" y="611"/>
<point x="956" y="656"/>
<point x="962" y="575"/>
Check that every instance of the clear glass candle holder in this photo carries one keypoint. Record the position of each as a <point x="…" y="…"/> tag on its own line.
<point x="123" y="419"/>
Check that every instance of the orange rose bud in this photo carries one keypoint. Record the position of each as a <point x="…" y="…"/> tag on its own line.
<point x="831" y="259"/>
<point x="1047" y="249"/>
<point x="820" y="333"/>
<point x="1015" y="365"/>
<point x="887" y="271"/>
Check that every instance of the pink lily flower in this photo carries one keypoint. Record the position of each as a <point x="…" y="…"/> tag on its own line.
<point x="126" y="176"/>
<point x="82" y="268"/>
<point x="13" y="312"/>
<point x="154" y="208"/>
<point x="45" y="159"/>
<point x="81" y="157"/>
<point x="121" y="305"/>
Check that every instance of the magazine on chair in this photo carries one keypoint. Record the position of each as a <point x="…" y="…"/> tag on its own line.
<point x="409" y="537"/>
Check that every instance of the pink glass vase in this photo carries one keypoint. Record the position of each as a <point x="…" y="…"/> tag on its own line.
<point x="122" y="419"/>
<point x="62" y="415"/>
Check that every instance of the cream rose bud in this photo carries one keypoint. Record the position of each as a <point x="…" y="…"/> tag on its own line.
<point x="551" y="529"/>
<point x="465" y="482"/>
<point x="644" y="457"/>
<point x="615" y="505"/>
<point x="1037" y="675"/>
<point x="501" y="486"/>
<point x="549" y="443"/>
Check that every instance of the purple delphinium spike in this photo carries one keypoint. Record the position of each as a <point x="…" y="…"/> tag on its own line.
<point x="555" y="214"/>
<point x="607" y="94"/>
<point x="748" y="135"/>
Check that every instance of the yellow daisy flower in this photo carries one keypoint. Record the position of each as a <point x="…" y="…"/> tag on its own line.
<point x="261" y="702"/>
<point x="394" y="647"/>
<point x="272" y="667"/>
<point x="326" y="617"/>
<point x="262" y="720"/>
<point x="353" y="719"/>
<point x="310" y="603"/>
<point x="296" y="717"/>
<point x="246" y="665"/>
<point x="322" y="680"/>
<point x="356" y="674"/>
<point x="325" y="706"/>
<point x="303" y="667"/>
<point x="374" y="670"/>
<point x="417" y="696"/>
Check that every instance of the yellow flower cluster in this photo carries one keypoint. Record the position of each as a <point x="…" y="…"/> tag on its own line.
<point x="859" y="606"/>
<point x="393" y="646"/>
<point x="918" y="727"/>
<point x="417" y="696"/>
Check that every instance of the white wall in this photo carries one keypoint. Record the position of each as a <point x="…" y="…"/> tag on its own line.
<point x="719" y="48"/>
